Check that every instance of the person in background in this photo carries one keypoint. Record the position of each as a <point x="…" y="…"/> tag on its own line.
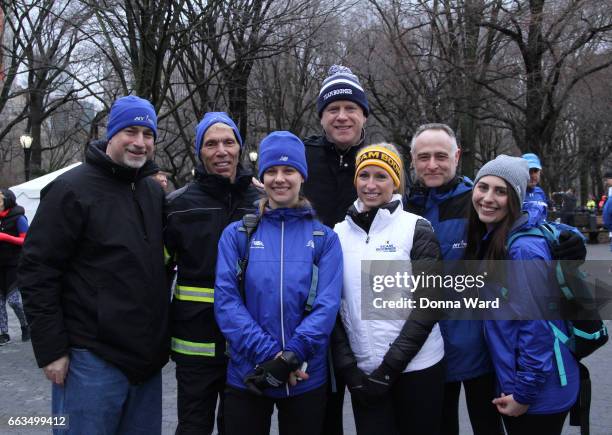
<point x="568" y="207"/>
<point x="535" y="196"/>
<point x="343" y="110"/>
<point x="162" y="178"/>
<point x="13" y="228"/>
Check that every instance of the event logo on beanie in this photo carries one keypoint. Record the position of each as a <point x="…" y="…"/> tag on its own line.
<point x="341" y="84"/>
<point x="282" y="148"/>
<point x="130" y="111"/>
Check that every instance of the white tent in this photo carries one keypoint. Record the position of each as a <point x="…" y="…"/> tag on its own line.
<point x="28" y="193"/>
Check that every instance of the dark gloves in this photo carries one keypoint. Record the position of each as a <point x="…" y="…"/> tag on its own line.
<point x="356" y="381"/>
<point x="381" y="379"/>
<point x="272" y="373"/>
<point x="368" y="388"/>
<point x="571" y="247"/>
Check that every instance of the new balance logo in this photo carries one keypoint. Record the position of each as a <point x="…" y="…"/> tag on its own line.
<point x="460" y="245"/>
<point x="310" y="244"/>
<point x="283" y="158"/>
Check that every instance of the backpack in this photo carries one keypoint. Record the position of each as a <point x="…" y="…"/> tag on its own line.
<point x="249" y="225"/>
<point x="587" y="332"/>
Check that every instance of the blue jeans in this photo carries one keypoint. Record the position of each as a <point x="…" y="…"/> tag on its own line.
<point x="98" y="399"/>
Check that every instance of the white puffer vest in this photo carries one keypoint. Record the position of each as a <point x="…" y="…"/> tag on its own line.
<point x="370" y="339"/>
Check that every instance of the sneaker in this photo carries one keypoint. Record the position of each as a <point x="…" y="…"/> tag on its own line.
<point x="4" y="339"/>
<point x="25" y="333"/>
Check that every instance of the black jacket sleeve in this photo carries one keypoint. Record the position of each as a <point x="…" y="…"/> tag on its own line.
<point x="50" y="243"/>
<point x="425" y="256"/>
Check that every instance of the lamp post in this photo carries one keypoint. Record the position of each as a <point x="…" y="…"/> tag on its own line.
<point x="253" y="159"/>
<point x="26" y="143"/>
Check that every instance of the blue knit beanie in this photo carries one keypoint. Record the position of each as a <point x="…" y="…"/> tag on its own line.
<point x="129" y="111"/>
<point x="209" y="119"/>
<point x="282" y="148"/>
<point x="341" y="84"/>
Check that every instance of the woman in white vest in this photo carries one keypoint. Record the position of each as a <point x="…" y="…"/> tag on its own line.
<point x="394" y="367"/>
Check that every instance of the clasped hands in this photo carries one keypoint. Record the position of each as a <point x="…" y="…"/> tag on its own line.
<point x="282" y="369"/>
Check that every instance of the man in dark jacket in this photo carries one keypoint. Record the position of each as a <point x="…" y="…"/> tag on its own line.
<point x="343" y="109"/>
<point x="444" y="198"/>
<point x="93" y="282"/>
<point x="196" y="216"/>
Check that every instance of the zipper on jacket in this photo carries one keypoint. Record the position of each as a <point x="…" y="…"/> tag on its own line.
<point x="367" y="238"/>
<point x="142" y="220"/>
<point x="282" y="267"/>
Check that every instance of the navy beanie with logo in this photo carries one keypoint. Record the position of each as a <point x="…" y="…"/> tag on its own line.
<point x="129" y="111"/>
<point x="341" y="84"/>
<point x="282" y="148"/>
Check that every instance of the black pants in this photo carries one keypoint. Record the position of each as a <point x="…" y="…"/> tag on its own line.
<point x="535" y="424"/>
<point x="198" y="387"/>
<point x="479" y="392"/>
<point x="246" y="413"/>
<point x="413" y="406"/>
<point x="332" y="422"/>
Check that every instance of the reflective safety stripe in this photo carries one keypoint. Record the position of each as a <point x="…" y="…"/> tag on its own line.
<point x="167" y="256"/>
<point x="194" y="294"/>
<point x="192" y="348"/>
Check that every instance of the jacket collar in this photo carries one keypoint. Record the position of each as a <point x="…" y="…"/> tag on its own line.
<point x="219" y="186"/>
<point x="96" y="156"/>
<point x="384" y="214"/>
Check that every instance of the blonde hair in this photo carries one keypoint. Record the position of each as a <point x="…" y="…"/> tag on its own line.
<point x="302" y="203"/>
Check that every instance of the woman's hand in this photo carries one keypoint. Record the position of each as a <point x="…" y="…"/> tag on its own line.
<point x="508" y="406"/>
<point x="296" y="376"/>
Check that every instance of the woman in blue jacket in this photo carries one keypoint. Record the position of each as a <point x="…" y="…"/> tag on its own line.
<point x="278" y="328"/>
<point x="533" y="396"/>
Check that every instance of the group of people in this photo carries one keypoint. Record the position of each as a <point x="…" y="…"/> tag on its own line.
<point x="266" y="306"/>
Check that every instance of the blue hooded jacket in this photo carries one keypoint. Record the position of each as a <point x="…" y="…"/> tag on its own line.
<point x="277" y="284"/>
<point x="447" y="209"/>
<point x="536" y="197"/>
<point x="522" y="350"/>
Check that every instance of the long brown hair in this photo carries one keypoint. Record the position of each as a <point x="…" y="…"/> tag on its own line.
<point x="477" y="229"/>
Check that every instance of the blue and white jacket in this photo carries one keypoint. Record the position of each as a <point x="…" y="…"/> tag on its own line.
<point x="538" y="199"/>
<point x="277" y="283"/>
<point x="446" y="208"/>
<point x="523" y="350"/>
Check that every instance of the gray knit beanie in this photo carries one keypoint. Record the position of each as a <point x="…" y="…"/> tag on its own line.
<point x="514" y="170"/>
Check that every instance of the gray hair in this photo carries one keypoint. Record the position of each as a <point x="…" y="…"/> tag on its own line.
<point x="435" y="126"/>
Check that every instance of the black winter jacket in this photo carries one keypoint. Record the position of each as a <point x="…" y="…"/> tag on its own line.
<point x="330" y="187"/>
<point x="196" y="215"/>
<point x="92" y="270"/>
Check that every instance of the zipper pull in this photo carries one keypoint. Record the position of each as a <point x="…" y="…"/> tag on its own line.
<point x="368" y="239"/>
<point x="341" y="160"/>
<point x="133" y="187"/>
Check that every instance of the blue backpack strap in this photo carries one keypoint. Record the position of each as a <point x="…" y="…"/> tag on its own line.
<point x="317" y="232"/>
<point x="560" y="337"/>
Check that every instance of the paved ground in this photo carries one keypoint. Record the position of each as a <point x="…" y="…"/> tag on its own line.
<point x="24" y="390"/>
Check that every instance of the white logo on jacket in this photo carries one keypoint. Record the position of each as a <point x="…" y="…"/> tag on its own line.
<point x="310" y="244"/>
<point x="257" y="244"/>
<point x="387" y="247"/>
<point x="460" y="245"/>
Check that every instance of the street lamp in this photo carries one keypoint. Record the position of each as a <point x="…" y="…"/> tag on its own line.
<point x="253" y="158"/>
<point x="26" y="143"/>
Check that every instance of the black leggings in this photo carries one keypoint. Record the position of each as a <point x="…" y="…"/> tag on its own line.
<point x="535" y="424"/>
<point x="412" y="407"/>
<point x="479" y="392"/>
<point x="246" y="413"/>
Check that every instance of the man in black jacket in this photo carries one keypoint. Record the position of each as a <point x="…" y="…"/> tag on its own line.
<point x="196" y="216"/>
<point x="93" y="281"/>
<point x="343" y="108"/>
